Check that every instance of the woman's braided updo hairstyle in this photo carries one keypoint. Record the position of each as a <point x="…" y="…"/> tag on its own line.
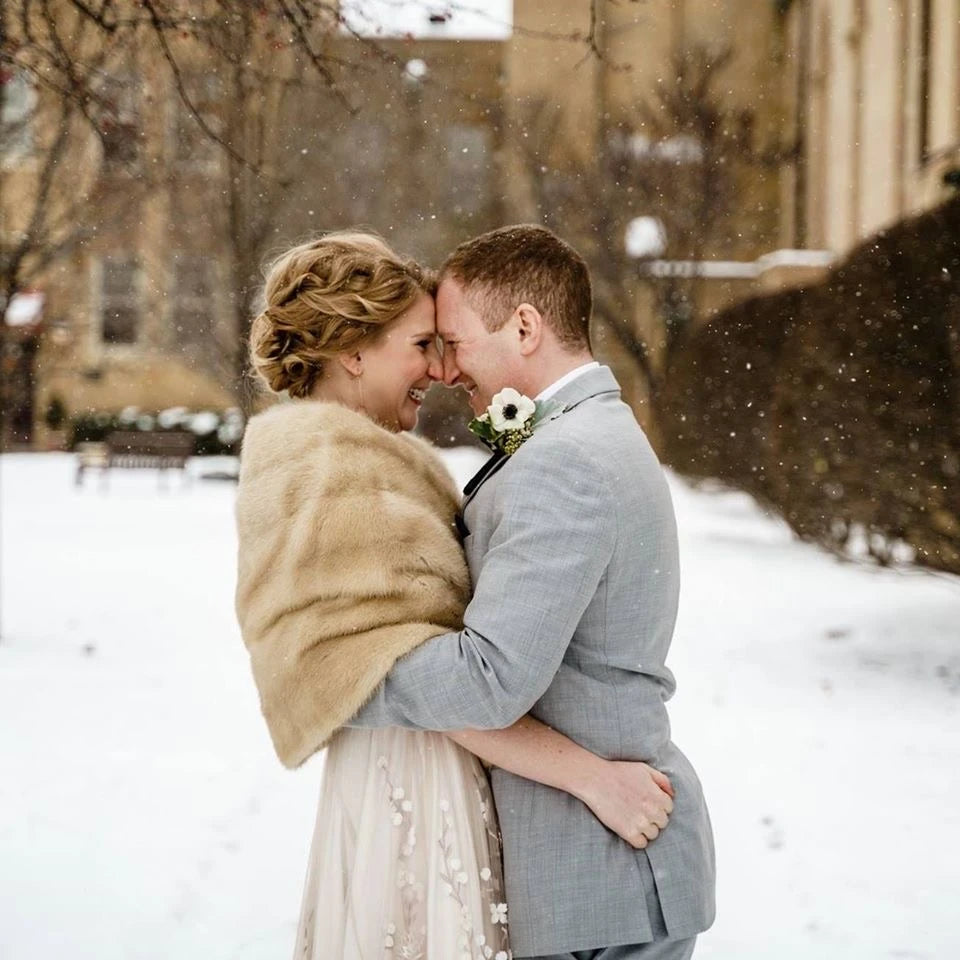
<point x="326" y="297"/>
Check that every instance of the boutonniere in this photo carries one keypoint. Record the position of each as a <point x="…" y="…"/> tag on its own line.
<point x="509" y="421"/>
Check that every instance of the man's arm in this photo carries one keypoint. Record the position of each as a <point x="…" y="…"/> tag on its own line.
<point x="632" y="799"/>
<point x="554" y="537"/>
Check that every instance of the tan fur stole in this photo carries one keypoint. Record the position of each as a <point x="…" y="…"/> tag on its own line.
<point x="348" y="559"/>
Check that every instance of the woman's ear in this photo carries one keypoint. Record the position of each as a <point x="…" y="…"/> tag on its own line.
<point x="352" y="363"/>
<point x="529" y="328"/>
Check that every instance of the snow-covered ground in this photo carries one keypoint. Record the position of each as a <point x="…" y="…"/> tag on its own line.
<point x="143" y="814"/>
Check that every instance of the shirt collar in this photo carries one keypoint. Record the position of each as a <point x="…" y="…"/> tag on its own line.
<point x="564" y="380"/>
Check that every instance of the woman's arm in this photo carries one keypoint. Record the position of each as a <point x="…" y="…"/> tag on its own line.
<point x="631" y="799"/>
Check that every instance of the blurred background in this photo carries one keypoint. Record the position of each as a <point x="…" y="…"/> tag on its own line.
<point x="768" y="195"/>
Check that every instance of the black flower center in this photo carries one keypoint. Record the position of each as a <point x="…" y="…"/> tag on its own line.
<point x="510" y="411"/>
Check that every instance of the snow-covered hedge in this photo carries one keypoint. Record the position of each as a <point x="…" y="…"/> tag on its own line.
<point x="217" y="432"/>
<point x="839" y="405"/>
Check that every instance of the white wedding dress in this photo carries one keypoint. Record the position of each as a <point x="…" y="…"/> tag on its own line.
<point x="405" y="861"/>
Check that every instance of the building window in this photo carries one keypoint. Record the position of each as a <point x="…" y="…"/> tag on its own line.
<point x="193" y="146"/>
<point x="19" y="99"/>
<point x="193" y="311"/>
<point x="360" y="152"/>
<point x="119" y="105"/>
<point x="467" y="149"/>
<point x="120" y="300"/>
<point x="923" y="111"/>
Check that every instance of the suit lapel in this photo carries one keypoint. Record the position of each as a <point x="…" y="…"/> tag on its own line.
<point x="591" y="384"/>
<point x="488" y="467"/>
<point x="492" y="465"/>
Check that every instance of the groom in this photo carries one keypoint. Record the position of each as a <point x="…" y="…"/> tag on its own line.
<point x="572" y="548"/>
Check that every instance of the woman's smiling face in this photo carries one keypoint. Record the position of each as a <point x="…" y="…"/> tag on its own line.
<point x="400" y="366"/>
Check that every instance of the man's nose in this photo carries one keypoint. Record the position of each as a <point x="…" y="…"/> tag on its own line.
<point x="435" y="370"/>
<point x="451" y="372"/>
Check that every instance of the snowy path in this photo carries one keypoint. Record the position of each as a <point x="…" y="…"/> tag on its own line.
<point x="143" y="815"/>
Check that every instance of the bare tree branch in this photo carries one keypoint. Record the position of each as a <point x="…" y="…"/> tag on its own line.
<point x="185" y="97"/>
<point x="100" y="17"/>
<point x="318" y="62"/>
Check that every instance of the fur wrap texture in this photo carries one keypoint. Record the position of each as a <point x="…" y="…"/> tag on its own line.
<point x="348" y="559"/>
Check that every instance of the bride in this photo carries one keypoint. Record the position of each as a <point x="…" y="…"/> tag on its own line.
<point x="348" y="559"/>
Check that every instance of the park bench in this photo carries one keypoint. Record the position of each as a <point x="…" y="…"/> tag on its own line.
<point x="127" y="450"/>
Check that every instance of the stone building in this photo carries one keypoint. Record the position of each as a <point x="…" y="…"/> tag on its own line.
<point x="874" y="100"/>
<point x="849" y="111"/>
<point x="149" y="308"/>
<point x="853" y="108"/>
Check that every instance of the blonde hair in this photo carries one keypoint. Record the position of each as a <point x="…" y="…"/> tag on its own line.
<point x="326" y="297"/>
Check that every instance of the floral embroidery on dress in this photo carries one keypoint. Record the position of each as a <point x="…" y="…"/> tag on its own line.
<point x="407" y="940"/>
<point x="485" y="800"/>
<point x="412" y="939"/>
<point x="306" y="929"/>
<point x="455" y="878"/>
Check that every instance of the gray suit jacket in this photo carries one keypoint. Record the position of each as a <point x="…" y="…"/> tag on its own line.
<point x="573" y="553"/>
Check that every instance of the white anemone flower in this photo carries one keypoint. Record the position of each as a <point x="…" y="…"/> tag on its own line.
<point x="510" y="410"/>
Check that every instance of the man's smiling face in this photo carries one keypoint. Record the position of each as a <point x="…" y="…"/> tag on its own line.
<point x="483" y="363"/>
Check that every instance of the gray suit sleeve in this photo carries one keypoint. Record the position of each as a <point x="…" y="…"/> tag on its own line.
<point x="553" y="539"/>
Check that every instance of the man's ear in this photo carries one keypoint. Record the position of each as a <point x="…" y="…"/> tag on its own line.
<point x="530" y="327"/>
<point x="352" y="363"/>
